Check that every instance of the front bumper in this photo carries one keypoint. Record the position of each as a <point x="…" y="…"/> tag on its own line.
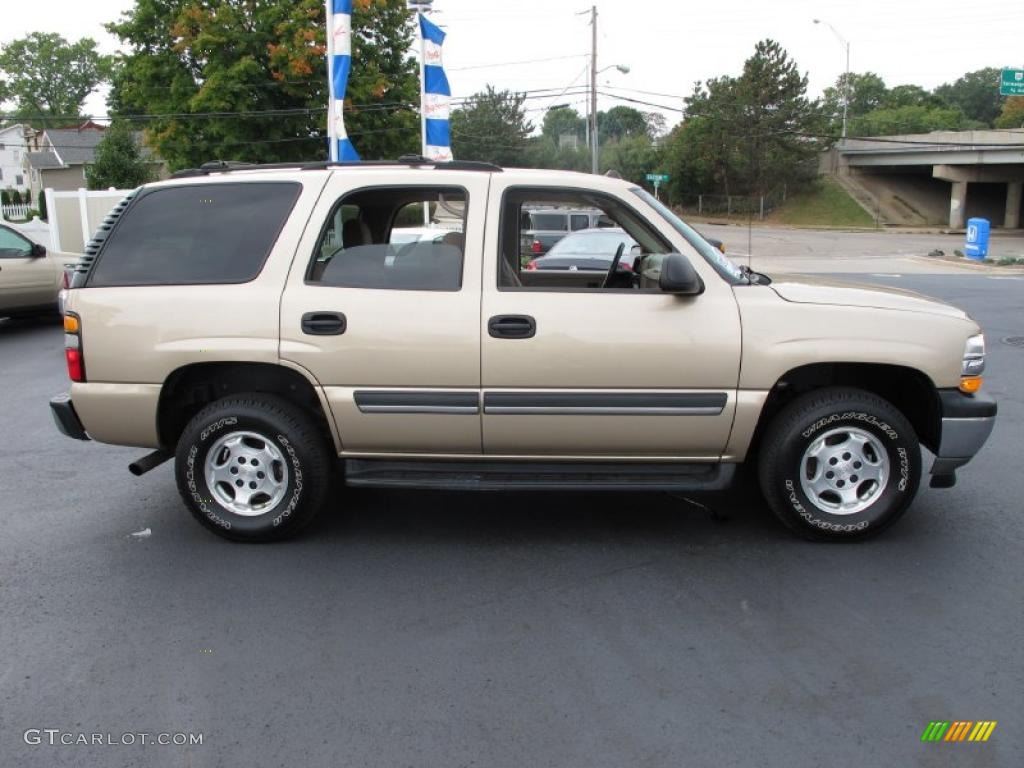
<point x="65" y="417"/>
<point x="967" y="421"/>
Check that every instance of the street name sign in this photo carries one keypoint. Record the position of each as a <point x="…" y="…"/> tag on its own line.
<point x="658" y="178"/>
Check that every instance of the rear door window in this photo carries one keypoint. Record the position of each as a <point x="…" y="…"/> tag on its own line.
<point x="370" y="240"/>
<point x="196" y="234"/>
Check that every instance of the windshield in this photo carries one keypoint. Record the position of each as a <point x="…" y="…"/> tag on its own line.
<point x="723" y="265"/>
<point x="592" y="244"/>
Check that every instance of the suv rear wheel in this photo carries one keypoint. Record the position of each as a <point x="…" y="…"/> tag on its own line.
<point x="839" y="464"/>
<point x="252" y="468"/>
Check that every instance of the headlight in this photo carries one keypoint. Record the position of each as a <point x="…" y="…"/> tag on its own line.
<point x="974" y="356"/>
<point x="973" y="364"/>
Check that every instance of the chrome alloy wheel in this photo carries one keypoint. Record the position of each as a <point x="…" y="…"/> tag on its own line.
<point x="246" y="473"/>
<point x="844" y="471"/>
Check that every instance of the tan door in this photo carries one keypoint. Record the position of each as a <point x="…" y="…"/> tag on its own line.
<point x="25" y="280"/>
<point x="607" y="373"/>
<point x="403" y="375"/>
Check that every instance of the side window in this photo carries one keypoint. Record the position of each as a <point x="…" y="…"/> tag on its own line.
<point x="13" y="245"/>
<point x="615" y="249"/>
<point x="195" y="234"/>
<point x="398" y="238"/>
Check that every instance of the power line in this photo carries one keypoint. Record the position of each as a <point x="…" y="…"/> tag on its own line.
<point x="516" y="63"/>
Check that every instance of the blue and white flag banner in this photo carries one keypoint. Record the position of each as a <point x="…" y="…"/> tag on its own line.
<point x="435" y="95"/>
<point x="339" y="64"/>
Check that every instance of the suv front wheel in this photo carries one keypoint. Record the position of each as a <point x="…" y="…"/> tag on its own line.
<point x="839" y="464"/>
<point x="252" y="468"/>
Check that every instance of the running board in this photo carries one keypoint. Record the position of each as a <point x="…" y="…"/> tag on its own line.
<point x="537" y="476"/>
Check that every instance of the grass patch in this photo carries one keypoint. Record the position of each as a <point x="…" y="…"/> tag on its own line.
<point x="825" y="204"/>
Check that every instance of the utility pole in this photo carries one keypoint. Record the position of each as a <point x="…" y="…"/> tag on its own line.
<point x="846" y="90"/>
<point x="593" y="90"/>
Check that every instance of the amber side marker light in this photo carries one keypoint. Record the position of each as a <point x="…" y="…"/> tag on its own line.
<point x="71" y="324"/>
<point x="970" y="384"/>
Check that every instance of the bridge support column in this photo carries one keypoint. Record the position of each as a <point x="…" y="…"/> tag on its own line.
<point x="1014" y="190"/>
<point x="957" y="204"/>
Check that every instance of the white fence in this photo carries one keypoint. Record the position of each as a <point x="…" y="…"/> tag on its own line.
<point x="75" y="216"/>
<point x="15" y="212"/>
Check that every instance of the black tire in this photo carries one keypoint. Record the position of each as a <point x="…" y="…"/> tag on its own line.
<point x="303" y="468"/>
<point x="827" y="412"/>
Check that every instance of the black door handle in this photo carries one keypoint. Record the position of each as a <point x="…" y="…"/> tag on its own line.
<point x="512" y="327"/>
<point x="324" y="323"/>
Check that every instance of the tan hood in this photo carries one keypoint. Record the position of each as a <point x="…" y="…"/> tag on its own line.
<point x="804" y="289"/>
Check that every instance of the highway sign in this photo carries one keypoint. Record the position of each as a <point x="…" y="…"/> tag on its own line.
<point x="1012" y="83"/>
<point x="658" y="178"/>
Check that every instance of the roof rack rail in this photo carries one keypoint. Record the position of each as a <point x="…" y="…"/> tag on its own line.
<point x="228" y="166"/>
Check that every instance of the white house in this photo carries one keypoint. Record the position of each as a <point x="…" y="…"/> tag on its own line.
<point x="13" y="148"/>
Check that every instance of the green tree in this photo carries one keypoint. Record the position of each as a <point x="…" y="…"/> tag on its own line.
<point x="491" y="126"/>
<point x="632" y="156"/>
<point x="562" y="121"/>
<point x="119" y="163"/>
<point x="1012" y="115"/>
<point x="188" y="57"/>
<point x="701" y="151"/>
<point x="50" y="78"/>
<point x="911" y="119"/>
<point x="867" y="92"/>
<point x="910" y="96"/>
<point x="621" y="121"/>
<point x="778" y="120"/>
<point x="748" y="134"/>
<point x="976" y="94"/>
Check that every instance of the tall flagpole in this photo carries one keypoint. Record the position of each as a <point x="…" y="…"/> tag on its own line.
<point x="332" y="139"/>
<point x="339" y="65"/>
<point x="423" y="112"/>
<point x="423" y="92"/>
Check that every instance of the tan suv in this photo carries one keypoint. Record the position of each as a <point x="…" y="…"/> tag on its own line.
<point x="258" y="324"/>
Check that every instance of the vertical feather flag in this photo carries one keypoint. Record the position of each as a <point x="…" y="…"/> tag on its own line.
<point x="339" y="64"/>
<point x="435" y="95"/>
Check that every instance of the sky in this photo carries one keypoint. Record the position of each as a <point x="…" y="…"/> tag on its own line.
<point x="667" y="45"/>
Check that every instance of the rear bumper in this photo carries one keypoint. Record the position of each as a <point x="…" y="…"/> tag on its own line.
<point x="65" y="417"/>
<point x="967" y="421"/>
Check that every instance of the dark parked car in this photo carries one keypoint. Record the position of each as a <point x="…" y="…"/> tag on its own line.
<point x="541" y="228"/>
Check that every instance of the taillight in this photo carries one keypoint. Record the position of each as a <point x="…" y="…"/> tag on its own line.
<point x="65" y="280"/>
<point x="535" y="248"/>
<point x="531" y="265"/>
<point x="73" y="347"/>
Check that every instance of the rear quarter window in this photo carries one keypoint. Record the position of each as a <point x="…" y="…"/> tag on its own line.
<point x="196" y="234"/>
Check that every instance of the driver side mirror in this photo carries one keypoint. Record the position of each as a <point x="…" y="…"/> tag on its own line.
<point x="37" y="251"/>
<point x="679" y="277"/>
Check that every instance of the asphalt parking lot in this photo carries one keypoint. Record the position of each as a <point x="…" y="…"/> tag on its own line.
<point x="438" y="629"/>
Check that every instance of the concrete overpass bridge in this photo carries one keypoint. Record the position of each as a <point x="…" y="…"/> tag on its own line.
<point x="944" y="177"/>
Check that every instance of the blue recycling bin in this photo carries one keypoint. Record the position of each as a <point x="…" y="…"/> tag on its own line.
<point x="977" y="238"/>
